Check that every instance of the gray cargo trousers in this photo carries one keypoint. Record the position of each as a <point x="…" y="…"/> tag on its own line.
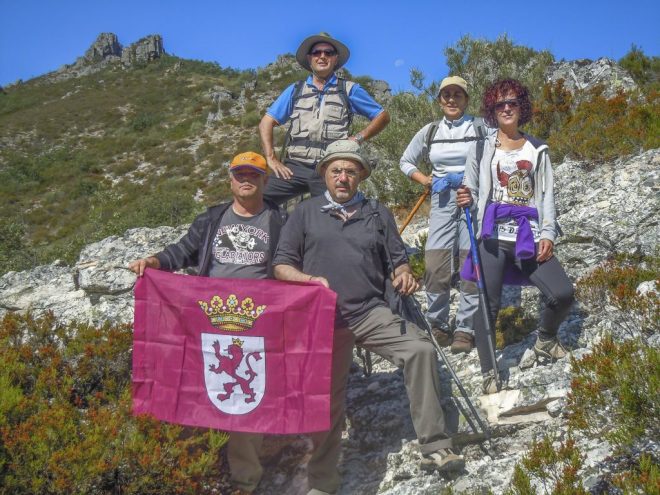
<point x="447" y="231"/>
<point x="378" y="332"/>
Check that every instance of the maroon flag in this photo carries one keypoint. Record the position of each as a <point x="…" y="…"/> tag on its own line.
<point x="237" y="355"/>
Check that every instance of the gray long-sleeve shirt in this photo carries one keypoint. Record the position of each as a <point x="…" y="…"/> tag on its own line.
<point x="445" y="157"/>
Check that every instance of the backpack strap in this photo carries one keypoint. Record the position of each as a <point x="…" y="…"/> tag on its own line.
<point x="430" y="134"/>
<point x="481" y="135"/>
<point x="297" y="91"/>
<point x="343" y="94"/>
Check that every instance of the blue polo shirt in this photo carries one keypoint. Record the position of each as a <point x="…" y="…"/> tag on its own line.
<point x="361" y="102"/>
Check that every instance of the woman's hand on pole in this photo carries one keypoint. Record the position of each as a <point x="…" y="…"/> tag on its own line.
<point x="463" y="197"/>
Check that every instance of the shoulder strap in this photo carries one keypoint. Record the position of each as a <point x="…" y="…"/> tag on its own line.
<point x="430" y="134"/>
<point x="481" y="137"/>
<point x="341" y="90"/>
<point x="297" y="91"/>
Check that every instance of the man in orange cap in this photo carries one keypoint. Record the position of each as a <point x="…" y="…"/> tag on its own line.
<point x="319" y="111"/>
<point x="236" y="239"/>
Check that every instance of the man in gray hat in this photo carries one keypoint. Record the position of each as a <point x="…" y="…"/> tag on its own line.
<point x="319" y="110"/>
<point x="340" y="239"/>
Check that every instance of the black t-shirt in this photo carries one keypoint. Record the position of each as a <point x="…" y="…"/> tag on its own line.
<point x="241" y="246"/>
<point x="350" y="255"/>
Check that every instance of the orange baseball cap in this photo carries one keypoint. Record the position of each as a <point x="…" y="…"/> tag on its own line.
<point x="249" y="159"/>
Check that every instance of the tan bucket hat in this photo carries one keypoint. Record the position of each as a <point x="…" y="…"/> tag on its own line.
<point x="346" y="149"/>
<point x="343" y="53"/>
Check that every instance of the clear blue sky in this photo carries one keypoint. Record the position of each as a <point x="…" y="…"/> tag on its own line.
<point x="386" y="38"/>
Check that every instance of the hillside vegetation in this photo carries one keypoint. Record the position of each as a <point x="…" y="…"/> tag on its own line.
<point x="88" y="157"/>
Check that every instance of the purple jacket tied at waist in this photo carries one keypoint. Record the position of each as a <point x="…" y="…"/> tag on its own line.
<point x="525" y="248"/>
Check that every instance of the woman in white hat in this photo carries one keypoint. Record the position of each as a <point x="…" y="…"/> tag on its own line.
<point x="445" y="145"/>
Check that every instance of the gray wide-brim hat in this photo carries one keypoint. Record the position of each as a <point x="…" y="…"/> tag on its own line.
<point x="343" y="53"/>
<point x="346" y="149"/>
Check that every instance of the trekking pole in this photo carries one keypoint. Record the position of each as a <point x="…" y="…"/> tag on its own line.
<point x="483" y="299"/>
<point x="413" y="308"/>
<point x="421" y="199"/>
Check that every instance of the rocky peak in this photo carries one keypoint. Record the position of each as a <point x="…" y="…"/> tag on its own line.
<point x="106" y="45"/>
<point x="106" y="50"/>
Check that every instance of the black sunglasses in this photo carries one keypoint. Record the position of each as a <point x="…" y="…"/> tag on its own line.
<point x="327" y="53"/>
<point x="501" y="105"/>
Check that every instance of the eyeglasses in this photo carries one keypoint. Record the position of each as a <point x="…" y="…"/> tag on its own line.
<point x="327" y="53"/>
<point x="336" y="172"/>
<point x="501" y="105"/>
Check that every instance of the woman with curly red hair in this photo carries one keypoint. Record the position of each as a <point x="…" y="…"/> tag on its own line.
<point x="511" y="192"/>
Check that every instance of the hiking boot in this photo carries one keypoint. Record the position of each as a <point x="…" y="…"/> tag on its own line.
<point x="463" y="342"/>
<point x="489" y="383"/>
<point x="549" y="349"/>
<point x="443" y="337"/>
<point x="443" y="461"/>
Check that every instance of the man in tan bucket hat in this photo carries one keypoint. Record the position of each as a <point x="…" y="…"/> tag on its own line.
<point x="319" y="111"/>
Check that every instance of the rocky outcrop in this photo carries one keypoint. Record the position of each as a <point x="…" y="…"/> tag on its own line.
<point x="106" y="46"/>
<point x="582" y="75"/>
<point x="611" y="209"/>
<point x="106" y="50"/>
<point x="145" y="50"/>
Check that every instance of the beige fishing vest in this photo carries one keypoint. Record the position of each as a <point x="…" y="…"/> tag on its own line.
<point x="316" y="123"/>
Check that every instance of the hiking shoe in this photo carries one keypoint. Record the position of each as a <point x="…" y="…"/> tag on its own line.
<point x="441" y="336"/>
<point x="443" y="461"/>
<point x="463" y="342"/>
<point x="549" y="349"/>
<point x="489" y="383"/>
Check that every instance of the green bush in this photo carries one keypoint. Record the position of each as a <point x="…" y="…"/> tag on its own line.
<point x="643" y="69"/>
<point x="615" y="392"/>
<point x="555" y="468"/>
<point x="66" y="424"/>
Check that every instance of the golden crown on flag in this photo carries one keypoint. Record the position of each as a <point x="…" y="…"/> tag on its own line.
<point x="229" y="314"/>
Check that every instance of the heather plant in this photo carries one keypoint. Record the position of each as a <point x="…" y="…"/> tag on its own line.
<point x="602" y="129"/>
<point x="65" y="420"/>
<point x="551" y="111"/>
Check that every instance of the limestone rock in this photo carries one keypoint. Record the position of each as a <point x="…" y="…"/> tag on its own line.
<point x="584" y="74"/>
<point x="106" y="45"/>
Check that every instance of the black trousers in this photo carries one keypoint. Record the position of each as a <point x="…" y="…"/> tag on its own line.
<point x="549" y="277"/>
<point x="305" y="179"/>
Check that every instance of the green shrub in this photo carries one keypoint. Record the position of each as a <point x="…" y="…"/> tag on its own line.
<point x="644" y="70"/>
<point x="615" y="392"/>
<point x="66" y="424"/>
<point x="555" y="468"/>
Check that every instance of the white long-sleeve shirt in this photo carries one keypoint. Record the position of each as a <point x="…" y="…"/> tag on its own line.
<point x="445" y="157"/>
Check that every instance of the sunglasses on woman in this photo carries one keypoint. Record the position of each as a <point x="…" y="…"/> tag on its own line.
<point x="501" y="105"/>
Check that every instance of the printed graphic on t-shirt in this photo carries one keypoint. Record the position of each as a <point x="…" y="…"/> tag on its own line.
<point x="513" y="183"/>
<point x="240" y="244"/>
